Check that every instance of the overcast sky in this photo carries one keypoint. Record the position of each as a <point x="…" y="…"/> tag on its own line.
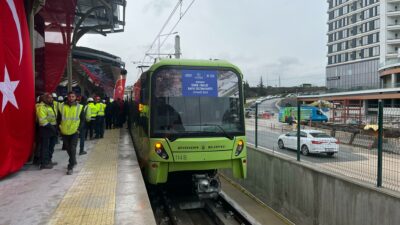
<point x="267" y="38"/>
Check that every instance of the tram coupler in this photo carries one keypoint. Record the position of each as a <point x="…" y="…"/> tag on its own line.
<point x="206" y="186"/>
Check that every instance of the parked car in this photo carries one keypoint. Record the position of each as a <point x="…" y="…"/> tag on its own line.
<point x="311" y="141"/>
<point x="266" y="113"/>
<point x="249" y="112"/>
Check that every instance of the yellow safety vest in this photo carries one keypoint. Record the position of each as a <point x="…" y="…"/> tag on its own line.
<point x="93" y="109"/>
<point x="55" y="105"/>
<point x="70" y="118"/>
<point x="37" y="107"/>
<point x="102" y="109"/>
<point x="46" y="115"/>
<point x="88" y="113"/>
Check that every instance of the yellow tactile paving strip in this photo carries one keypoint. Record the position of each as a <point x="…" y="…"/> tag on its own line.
<point x="91" y="198"/>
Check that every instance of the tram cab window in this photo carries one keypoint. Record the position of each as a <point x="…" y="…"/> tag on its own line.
<point x="196" y="102"/>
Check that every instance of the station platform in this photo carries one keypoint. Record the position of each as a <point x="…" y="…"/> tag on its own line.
<point x="255" y="211"/>
<point x="106" y="188"/>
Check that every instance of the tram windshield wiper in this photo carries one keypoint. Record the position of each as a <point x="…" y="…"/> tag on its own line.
<point x="230" y="137"/>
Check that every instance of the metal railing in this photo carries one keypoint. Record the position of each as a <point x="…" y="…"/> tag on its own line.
<point x="369" y="141"/>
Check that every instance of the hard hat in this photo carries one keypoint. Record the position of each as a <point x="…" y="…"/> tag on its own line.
<point x="90" y="99"/>
<point x="54" y="95"/>
<point x="60" y="98"/>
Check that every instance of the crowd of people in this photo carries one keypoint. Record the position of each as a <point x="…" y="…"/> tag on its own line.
<point x="73" y="117"/>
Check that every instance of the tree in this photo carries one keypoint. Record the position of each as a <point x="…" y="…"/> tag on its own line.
<point x="260" y="87"/>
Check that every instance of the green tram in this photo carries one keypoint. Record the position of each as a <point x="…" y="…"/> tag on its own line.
<point x="188" y="115"/>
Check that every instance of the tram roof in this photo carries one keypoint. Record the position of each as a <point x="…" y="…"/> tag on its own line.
<point x="194" y="62"/>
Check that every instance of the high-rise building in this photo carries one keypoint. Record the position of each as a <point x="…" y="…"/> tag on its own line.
<point x="355" y="43"/>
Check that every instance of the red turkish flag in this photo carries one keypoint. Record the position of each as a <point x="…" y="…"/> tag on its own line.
<point x="119" y="88"/>
<point x="17" y="100"/>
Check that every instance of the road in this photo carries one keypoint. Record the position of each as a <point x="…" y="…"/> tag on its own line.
<point x="351" y="161"/>
<point x="269" y="105"/>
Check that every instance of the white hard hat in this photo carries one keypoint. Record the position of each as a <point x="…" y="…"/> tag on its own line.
<point x="60" y="98"/>
<point x="90" y="99"/>
<point x="54" y="95"/>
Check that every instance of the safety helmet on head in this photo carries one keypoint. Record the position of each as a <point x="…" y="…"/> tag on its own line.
<point x="54" y="95"/>
<point x="60" y="98"/>
<point x="90" y="99"/>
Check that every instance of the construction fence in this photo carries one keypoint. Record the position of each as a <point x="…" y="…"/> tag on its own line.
<point x="367" y="139"/>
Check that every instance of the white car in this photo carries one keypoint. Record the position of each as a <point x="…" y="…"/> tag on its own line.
<point x="311" y="141"/>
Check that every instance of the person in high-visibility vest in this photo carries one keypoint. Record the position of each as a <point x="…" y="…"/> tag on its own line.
<point x="47" y="115"/>
<point x="93" y="114"/>
<point x="83" y="131"/>
<point x="98" y="106"/>
<point x="70" y="120"/>
<point x="100" y="118"/>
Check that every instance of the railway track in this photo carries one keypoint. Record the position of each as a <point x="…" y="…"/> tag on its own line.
<point x="172" y="208"/>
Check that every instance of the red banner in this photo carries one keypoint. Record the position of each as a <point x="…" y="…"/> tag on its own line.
<point x="17" y="101"/>
<point x="119" y="88"/>
<point x="53" y="25"/>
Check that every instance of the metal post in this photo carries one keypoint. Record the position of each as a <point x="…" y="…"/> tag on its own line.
<point x="69" y="70"/>
<point x="380" y="141"/>
<point x="159" y="46"/>
<point x="177" y="47"/>
<point x="256" y="128"/>
<point x="298" y="129"/>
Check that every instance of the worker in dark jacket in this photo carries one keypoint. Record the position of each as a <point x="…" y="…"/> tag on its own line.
<point x="108" y="114"/>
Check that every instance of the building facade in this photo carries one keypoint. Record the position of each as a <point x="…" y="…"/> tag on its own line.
<point x="354" y="44"/>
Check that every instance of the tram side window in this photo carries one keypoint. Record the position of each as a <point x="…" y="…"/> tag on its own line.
<point x="144" y="99"/>
<point x="144" y="91"/>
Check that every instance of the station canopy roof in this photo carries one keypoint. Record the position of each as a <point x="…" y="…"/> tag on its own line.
<point x="96" y="70"/>
<point x="101" y="16"/>
<point x="60" y="24"/>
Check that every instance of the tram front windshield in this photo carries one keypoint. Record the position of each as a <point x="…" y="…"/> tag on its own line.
<point x="196" y="103"/>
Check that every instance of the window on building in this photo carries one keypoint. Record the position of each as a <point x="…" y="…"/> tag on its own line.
<point x="377" y="24"/>
<point x="366" y="53"/>
<point x="375" y="51"/>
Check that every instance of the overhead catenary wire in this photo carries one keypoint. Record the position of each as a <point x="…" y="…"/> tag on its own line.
<point x="162" y="28"/>
<point x="181" y="15"/>
<point x="176" y="24"/>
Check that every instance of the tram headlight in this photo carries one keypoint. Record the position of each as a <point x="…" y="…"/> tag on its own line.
<point x="159" y="148"/>
<point x="239" y="147"/>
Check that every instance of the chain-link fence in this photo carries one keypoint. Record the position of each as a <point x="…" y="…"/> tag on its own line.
<point x="350" y="138"/>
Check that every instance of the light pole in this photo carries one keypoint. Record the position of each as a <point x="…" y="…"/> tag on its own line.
<point x="159" y="41"/>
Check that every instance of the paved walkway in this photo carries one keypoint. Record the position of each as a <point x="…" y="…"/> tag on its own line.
<point x="106" y="188"/>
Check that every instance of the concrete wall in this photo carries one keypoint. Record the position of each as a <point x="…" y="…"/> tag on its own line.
<point x="308" y="196"/>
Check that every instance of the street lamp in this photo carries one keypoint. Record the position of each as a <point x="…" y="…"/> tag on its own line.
<point x="159" y="40"/>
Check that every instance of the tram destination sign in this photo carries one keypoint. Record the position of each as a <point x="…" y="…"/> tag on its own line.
<point x="199" y="83"/>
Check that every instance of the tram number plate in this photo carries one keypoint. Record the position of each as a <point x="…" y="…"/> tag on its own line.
<point x="181" y="157"/>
